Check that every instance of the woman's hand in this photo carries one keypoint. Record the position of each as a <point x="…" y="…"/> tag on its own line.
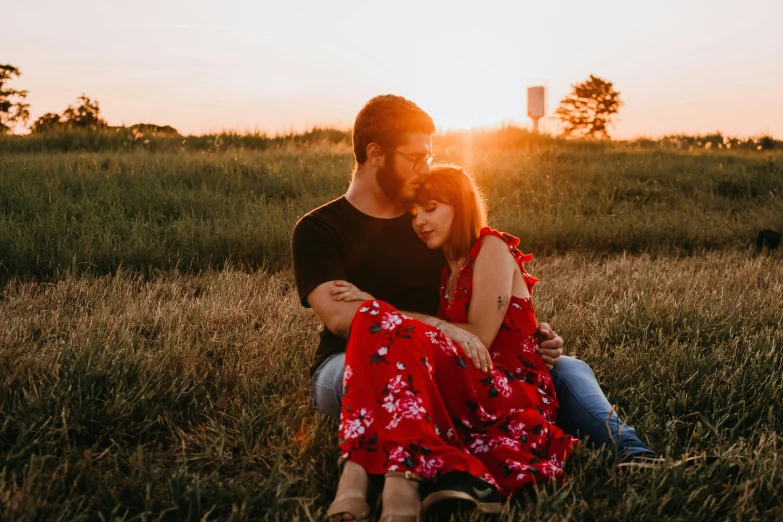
<point x="345" y="291"/>
<point x="470" y="344"/>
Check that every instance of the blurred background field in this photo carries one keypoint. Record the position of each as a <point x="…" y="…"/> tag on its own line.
<point x="97" y="211"/>
<point x="153" y="354"/>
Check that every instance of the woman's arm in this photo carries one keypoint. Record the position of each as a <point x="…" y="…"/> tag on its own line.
<point x="493" y="281"/>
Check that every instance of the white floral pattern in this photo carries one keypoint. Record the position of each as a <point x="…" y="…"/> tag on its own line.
<point x="357" y="424"/>
<point x="391" y="321"/>
<point x="414" y="403"/>
<point x="347" y="374"/>
<point x="516" y="428"/>
<point x="428" y="468"/>
<point x="501" y="383"/>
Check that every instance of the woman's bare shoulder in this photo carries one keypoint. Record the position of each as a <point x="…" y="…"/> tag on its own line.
<point x="494" y="250"/>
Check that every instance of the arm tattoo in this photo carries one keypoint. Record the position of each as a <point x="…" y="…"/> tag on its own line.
<point x="502" y="304"/>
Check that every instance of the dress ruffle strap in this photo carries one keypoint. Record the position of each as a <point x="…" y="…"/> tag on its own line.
<point x="513" y="243"/>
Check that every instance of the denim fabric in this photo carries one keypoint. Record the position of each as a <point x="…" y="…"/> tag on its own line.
<point x="326" y="387"/>
<point x="584" y="409"/>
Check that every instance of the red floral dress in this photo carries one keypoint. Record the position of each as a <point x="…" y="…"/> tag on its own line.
<point x="412" y="402"/>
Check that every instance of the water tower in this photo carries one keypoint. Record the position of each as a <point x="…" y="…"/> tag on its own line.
<point x="536" y="104"/>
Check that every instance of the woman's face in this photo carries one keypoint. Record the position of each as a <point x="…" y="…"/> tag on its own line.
<point x="432" y="222"/>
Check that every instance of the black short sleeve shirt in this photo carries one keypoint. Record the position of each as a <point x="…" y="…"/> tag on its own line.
<point x="384" y="257"/>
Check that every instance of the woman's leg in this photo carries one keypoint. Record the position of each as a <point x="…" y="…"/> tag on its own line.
<point x="350" y="500"/>
<point x="393" y="415"/>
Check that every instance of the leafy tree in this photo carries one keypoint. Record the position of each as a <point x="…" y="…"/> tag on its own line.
<point x="589" y="109"/>
<point x="86" y="115"/>
<point x="46" y="123"/>
<point x="768" y="142"/>
<point x="13" y="110"/>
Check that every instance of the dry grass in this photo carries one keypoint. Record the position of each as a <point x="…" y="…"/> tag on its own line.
<point x="142" y="380"/>
<point x="185" y="397"/>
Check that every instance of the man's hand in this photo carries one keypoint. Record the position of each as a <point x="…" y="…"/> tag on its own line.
<point x="345" y="291"/>
<point x="550" y="345"/>
<point x="471" y="346"/>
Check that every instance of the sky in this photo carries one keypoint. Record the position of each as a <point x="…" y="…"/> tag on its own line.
<point x="686" y="66"/>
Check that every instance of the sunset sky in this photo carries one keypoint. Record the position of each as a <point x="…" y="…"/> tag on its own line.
<point x="681" y="66"/>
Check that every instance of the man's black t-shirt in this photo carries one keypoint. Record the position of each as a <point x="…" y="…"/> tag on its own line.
<point x="383" y="257"/>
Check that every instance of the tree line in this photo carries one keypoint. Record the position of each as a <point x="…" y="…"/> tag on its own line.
<point x="85" y="114"/>
<point x="588" y="111"/>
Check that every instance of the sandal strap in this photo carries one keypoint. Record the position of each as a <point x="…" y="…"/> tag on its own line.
<point x="400" y="518"/>
<point x="408" y="475"/>
<point x="357" y="508"/>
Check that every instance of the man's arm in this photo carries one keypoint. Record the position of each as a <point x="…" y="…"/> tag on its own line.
<point x="344" y="292"/>
<point x="336" y="302"/>
<point x="336" y="315"/>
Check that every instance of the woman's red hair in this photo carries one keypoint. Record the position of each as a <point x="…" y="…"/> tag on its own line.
<point x="455" y="186"/>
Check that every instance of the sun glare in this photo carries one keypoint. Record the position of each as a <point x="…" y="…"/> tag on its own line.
<point x="248" y="65"/>
<point x="470" y="103"/>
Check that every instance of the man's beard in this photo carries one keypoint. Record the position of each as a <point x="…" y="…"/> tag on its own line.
<point x="391" y="184"/>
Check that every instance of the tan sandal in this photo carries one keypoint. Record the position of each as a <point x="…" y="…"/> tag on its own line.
<point x="392" y="517"/>
<point x="459" y="489"/>
<point x="450" y="495"/>
<point x="357" y="508"/>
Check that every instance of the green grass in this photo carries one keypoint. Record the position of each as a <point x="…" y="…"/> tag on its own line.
<point x="96" y="212"/>
<point x="127" y="139"/>
<point x="154" y="357"/>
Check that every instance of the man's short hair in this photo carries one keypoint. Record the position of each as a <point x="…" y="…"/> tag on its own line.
<point x="385" y="120"/>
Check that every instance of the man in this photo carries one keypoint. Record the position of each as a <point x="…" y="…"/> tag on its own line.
<point x="365" y="237"/>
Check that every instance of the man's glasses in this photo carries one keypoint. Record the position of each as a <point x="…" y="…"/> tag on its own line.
<point x="418" y="161"/>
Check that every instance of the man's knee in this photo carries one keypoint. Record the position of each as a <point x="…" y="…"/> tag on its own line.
<point x="327" y="386"/>
<point x="568" y="368"/>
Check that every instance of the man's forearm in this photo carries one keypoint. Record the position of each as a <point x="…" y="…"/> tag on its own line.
<point x="340" y="321"/>
<point x="336" y="315"/>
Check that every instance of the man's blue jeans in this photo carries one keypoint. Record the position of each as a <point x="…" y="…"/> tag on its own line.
<point x="584" y="409"/>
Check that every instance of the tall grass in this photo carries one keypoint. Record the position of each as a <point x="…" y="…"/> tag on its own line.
<point x="127" y="139"/>
<point x="185" y="397"/>
<point x="504" y="138"/>
<point x="154" y="356"/>
<point x="96" y="212"/>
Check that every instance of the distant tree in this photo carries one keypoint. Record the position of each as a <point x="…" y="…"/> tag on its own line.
<point x="86" y="115"/>
<point x="768" y="142"/>
<point x="46" y="123"/>
<point x="150" y="129"/>
<point x="589" y="109"/>
<point x="13" y="110"/>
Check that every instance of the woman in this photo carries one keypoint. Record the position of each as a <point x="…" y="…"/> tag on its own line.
<point x="413" y="406"/>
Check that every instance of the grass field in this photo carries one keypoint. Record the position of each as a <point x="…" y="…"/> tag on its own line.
<point x="154" y="358"/>
<point x="96" y="212"/>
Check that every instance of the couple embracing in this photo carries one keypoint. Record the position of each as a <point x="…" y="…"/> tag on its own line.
<point x="431" y="356"/>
